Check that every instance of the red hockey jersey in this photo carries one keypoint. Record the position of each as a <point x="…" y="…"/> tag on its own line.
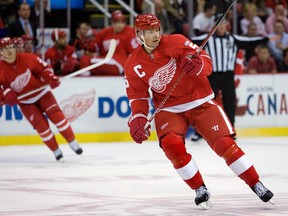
<point x="60" y="58"/>
<point x="160" y="70"/>
<point x="24" y="75"/>
<point x="126" y="43"/>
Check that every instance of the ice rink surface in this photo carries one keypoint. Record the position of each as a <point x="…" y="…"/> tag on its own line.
<point x="127" y="179"/>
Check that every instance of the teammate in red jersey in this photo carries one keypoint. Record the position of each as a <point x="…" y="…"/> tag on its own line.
<point x="156" y="65"/>
<point x="126" y="43"/>
<point x="61" y="56"/>
<point x="90" y="53"/>
<point x="23" y="72"/>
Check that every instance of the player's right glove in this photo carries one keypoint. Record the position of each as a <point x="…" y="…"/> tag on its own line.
<point x="9" y="96"/>
<point x="192" y="65"/>
<point x="136" y="124"/>
<point x="51" y="78"/>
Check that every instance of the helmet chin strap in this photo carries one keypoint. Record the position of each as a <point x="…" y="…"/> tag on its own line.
<point x="142" y="41"/>
<point x="145" y="45"/>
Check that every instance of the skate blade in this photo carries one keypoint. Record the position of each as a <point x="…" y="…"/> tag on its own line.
<point x="61" y="160"/>
<point x="206" y="205"/>
<point x="271" y="202"/>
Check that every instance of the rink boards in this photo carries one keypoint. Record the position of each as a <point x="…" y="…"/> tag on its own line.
<point x="98" y="110"/>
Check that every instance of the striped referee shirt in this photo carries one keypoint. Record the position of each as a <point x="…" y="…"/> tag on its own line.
<point x="223" y="49"/>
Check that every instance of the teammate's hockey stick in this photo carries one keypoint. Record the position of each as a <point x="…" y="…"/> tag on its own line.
<point x="183" y="73"/>
<point x="112" y="48"/>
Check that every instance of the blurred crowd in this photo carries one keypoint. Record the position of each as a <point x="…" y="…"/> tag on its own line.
<point x="89" y="44"/>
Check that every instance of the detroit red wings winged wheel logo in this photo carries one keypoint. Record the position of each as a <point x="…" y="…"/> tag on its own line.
<point x="77" y="104"/>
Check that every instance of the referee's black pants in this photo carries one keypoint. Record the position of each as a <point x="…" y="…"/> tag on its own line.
<point x="224" y="81"/>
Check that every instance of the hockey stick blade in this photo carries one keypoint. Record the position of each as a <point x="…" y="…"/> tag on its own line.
<point x="183" y="73"/>
<point x="107" y="58"/>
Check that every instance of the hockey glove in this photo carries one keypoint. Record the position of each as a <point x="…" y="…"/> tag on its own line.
<point x="137" y="123"/>
<point x="9" y="96"/>
<point x="192" y="65"/>
<point x="51" y="78"/>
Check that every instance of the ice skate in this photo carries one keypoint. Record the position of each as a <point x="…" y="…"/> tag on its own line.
<point x="262" y="192"/>
<point x="202" y="197"/>
<point x="75" y="147"/>
<point x="196" y="137"/>
<point x="58" y="155"/>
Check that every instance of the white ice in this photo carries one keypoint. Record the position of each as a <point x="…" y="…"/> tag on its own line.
<point x="127" y="179"/>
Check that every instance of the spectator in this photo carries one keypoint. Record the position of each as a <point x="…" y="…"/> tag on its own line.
<point x="262" y="62"/>
<point x="278" y="14"/>
<point x="176" y="13"/>
<point x="204" y="21"/>
<point x="161" y="13"/>
<point x="22" y="25"/>
<point x="271" y="4"/>
<point x="284" y="66"/>
<point x="198" y="6"/>
<point x="262" y="11"/>
<point x="126" y="43"/>
<point x="49" y="19"/>
<point x="252" y="30"/>
<point x="250" y="15"/>
<point x="250" y="50"/>
<point x="280" y="43"/>
<point x="61" y="56"/>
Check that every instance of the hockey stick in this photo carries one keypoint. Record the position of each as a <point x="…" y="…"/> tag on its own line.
<point x="107" y="58"/>
<point x="183" y="73"/>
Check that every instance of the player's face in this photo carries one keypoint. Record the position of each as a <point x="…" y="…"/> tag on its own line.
<point x="152" y="37"/>
<point x="61" y="43"/>
<point x="118" y="26"/>
<point x="83" y="29"/>
<point x="19" y="48"/>
<point x="9" y="53"/>
<point x="28" y="47"/>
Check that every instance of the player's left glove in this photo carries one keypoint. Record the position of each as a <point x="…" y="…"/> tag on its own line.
<point x="51" y="78"/>
<point x="9" y="96"/>
<point x="136" y="124"/>
<point x="192" y="65"/>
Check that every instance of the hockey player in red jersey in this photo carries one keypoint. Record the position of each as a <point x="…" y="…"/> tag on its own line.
<point x="156" y="65"/>
<point x="23" y="72"/>
<point x="126" y="43"/>
<point x="85" y="60"/>
<point x="61" y="56"/>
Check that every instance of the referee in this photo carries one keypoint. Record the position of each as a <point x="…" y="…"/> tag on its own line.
<point x="222" y="48"/>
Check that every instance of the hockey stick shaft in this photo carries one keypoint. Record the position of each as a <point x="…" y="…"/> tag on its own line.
<point x="107" y="58"/>
<point x="183" y="73"/>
